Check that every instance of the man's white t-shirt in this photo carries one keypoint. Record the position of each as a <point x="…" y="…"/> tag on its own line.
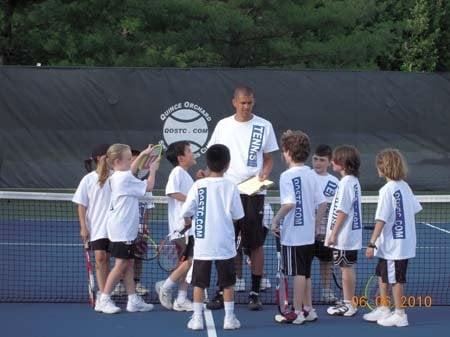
<point x="247" y="142"/>
<point x="215" y="203"/>
<point x="96" y="200"/>
<point x="397" y="206"/>
<point x="299" y="186"/>
<point x="347" y="200"/>
<point x="123" y="214"/>
<point x="328" y="184"/>
<point x="179" y="181"/>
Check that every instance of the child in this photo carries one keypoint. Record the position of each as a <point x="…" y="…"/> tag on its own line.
<point x="215" y="204"/>
<point x="344" y="227"/>
<point x="328" y="184"/>
<point x="123" y="222"/>
<point x="300" y="195"/>
<point x="394" y="236"/>
<point x="92" y="197"/>
<point x="144" y="207"/>
<point x="178" y="185"/>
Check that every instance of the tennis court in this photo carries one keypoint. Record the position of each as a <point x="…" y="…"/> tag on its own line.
<point x="43" y="262"/>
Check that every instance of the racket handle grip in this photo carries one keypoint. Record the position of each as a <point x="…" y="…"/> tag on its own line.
<point x="184" y="230"/>
<point x="278" y="243"/>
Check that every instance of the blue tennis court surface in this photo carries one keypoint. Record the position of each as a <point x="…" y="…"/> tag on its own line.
<point x="74" y="320"/>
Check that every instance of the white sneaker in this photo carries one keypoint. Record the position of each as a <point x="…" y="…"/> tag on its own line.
<point x="119" y="290"/>
<point x="239" y="285"/>
<point x="165" y="297"/>
<point x="107" y="306"/>
<point x="394" y="319"/>
<point x="265" y="284"/>
<point x="311" y="316"/>
<point x="138" y="304"/>
<point x="231" y="323"/>
<point x="300" y="319"/>
<point x="184" y="306"/>
<point x="140" y="289"/>
<point x="328" y="296"/>
<point x="342" y="310"/>
<point x="195" y="323"/>
<point x="378" y="313"/>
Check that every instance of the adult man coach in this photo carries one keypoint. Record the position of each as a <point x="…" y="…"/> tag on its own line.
<point x="251" y="140"/>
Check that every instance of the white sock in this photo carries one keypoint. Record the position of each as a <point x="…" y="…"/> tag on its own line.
<point x="384" y="308"/>
<point x="104" y="297"/>
<point x="182" y="296"/>
<point x="169" y="284"/>
<point x="307" y="308"/>
<point x="229" y="308"/>
<point x="348" y="304"/>
<point x="400" y="311"/>
<point x="132" y="297"/>
<point x="198" y="309"/>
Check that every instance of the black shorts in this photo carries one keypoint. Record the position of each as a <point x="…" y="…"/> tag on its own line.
<point x="322" y="252"/>
<point x="100" y="244"/>
<point x="297" y="260"/>
<point x="122" y="250"/>
<point x="345" y="258"/>
<point x="250" y="226"/>
<point x="201" y="273"/>
<point x="185" y="251"/>
<point x="392" y="271"/>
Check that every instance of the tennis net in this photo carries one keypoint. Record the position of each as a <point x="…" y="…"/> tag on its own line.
<point x="42" y="258"/>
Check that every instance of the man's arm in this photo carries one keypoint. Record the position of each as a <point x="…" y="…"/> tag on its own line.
<point x="267" y="166"/>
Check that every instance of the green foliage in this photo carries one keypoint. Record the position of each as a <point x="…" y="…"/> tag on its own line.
<point x="348" y="34"/>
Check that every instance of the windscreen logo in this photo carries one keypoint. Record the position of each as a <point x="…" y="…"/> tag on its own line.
<point x="186" y="121"/>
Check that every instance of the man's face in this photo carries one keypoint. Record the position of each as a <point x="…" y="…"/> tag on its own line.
<point x="243" y="105"/>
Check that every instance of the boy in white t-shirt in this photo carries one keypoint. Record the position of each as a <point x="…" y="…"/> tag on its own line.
<point x="214" y="203"/>
<point x="93" y="199"/>
<point x="178" y="185"/>
<point x="123" y="221"/>
<point x="344" y="227"/>
<point x="393" y="240"/>
<point x="300" y="196"/>
<point x="329" y="183"/>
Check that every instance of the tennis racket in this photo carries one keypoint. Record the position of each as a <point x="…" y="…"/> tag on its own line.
<point x="281" y="291"/>
<point x="146" y="160"/>
<point x="171" y="251"/>
<point x="145" y="247"/>
<point x="90" y="273"/>
<point x="372" y="294"/>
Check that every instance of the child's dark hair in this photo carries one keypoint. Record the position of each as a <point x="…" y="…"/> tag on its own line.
<point x="176" y="149"/>
<point x="296" y="143"/>
<point x="135" y="152"/>
<point x="348" y="157"/>
<point x="98" y="151"/>
<point x="217" y="158"/>
<point x="324" y="150"/>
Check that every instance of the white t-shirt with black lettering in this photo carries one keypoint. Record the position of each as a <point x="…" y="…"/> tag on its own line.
<point x="247" y="142"/>
<point x="299" y="186"/>
<point x="328" y="184"/>
<point x="96" y="200"/>
<point x="179" y="181"/>
<point x="397" y="207"/>
<point x="214" y="203"/>
<point x="123" y="214"/>
<point x="347" y="200"/>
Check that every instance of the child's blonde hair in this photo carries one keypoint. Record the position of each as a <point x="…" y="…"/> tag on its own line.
<point x="106" y="162"/>
<point x="392" y="164"/>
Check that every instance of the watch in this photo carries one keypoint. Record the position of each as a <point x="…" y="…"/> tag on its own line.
<point x="371" y="245"/>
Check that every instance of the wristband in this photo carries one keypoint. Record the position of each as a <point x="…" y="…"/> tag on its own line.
<point x="371" y="245"/>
